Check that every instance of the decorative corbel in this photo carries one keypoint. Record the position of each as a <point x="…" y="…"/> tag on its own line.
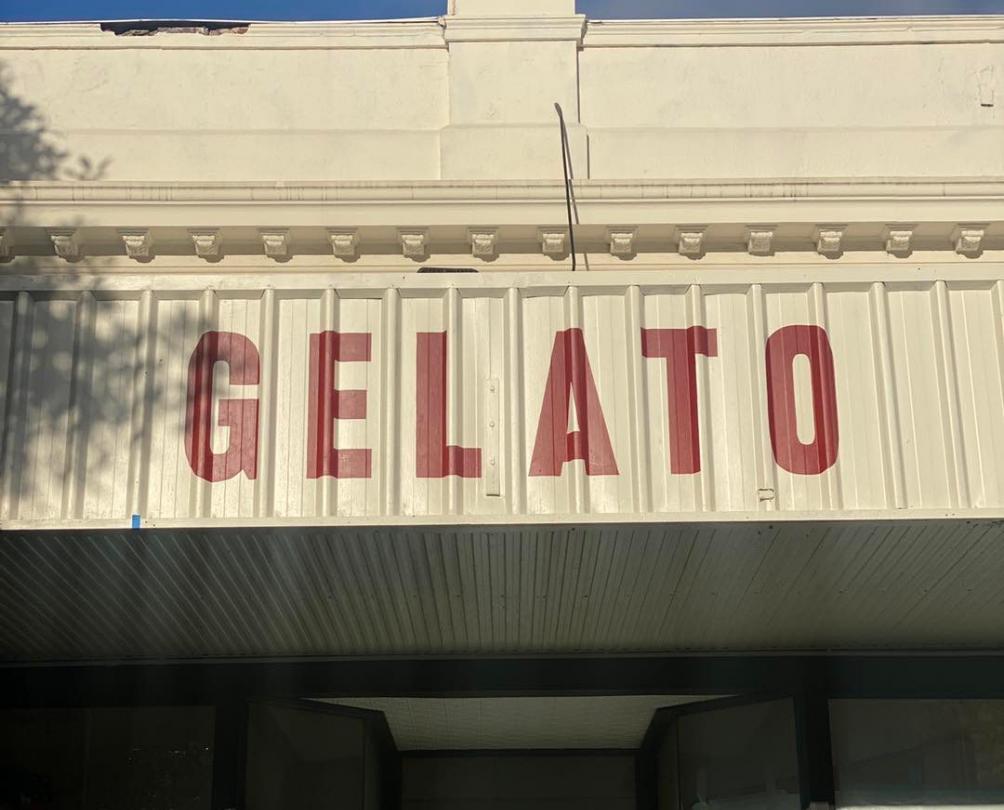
<point x="65" y="243"/>
<point x="554" y="243"/>
<point x="621" y="241"/>
<point x="138" y="245"/>
<point x="760" y="240"/>
<point x="276" y="244"/>
<point x="208" y="244"/>
<point x="829" y="240"/>
<point x="344" y="244"/>
<point x="899" y="240"/>
<point x="414" y="244"/>
<point x="968" y="239"/>
<point x="484" y="243"/>
<point x="691" y="242"/>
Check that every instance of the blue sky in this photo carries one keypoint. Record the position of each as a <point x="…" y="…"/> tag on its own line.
<point x="17" y="10"/>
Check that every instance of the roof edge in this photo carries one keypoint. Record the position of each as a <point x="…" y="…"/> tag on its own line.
<point x="428" y="32"/>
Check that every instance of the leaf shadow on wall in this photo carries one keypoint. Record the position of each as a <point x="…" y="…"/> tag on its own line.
<point x="74" y="388"/>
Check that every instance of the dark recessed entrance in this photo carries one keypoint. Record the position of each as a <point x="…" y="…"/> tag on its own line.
<point x="544" y="734"/>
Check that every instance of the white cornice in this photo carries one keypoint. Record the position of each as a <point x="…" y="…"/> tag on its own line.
<point x="423" y="33"/>
<point x="431" y="191"/>
<point x="795" y="31"/>
<point x="536" y="203"/>
<point x="520" y="29"/>
<point x="429" y="33"/>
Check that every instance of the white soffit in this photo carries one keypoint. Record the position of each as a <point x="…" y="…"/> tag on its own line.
<point x="609" y="721"/>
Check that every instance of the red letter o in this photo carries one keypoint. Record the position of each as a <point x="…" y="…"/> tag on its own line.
<point x="789" y="451"/>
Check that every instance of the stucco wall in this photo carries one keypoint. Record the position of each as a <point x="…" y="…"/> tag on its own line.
<point x="221" y="112"/>
<point x="470" y="97"/>
<point x="792" y="111"/>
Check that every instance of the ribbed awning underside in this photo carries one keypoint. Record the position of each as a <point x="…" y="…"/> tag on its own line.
<point x="517" y="590"/>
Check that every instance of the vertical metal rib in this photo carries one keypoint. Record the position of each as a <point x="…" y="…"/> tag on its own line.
<point x="17" y="403"/>
<point x="80" y="413"/>
<point x="820" y="316"/>
<point x="885" y="384"/>
<point x="577" y="471"/>
<point x="208" y="318"/>
<point x="706" y="480"/>
<point x="328" y="485"/>
<point x="641" y="485"/>
<point x="763" y="452"/>
<point x="997" y="293"/>
<point x="948" y="381"/>
<point x="390" y="411"/>
<point x="142" y="405"/>
<point x="267" y="396"/>
<point x="517" y="433"/>
<point x="454" y="394"/>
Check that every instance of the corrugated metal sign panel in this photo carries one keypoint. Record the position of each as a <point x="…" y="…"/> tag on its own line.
<point x="501" y="397"/>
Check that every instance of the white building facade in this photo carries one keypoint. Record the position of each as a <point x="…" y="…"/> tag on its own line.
<point x="676" y="484"/>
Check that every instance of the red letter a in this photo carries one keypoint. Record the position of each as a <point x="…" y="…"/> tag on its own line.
<point x="570" y="374"/>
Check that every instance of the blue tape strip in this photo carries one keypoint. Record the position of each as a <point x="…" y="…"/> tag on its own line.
<point x="136" y="521"/>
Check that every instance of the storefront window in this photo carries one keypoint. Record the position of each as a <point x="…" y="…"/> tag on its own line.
<point x="918" y="752"/>
<point x="736" y="758"/>
<point x="106" y="759"/>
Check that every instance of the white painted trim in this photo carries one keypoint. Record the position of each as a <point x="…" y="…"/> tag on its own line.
<point x="419" y="33"/>
<point x="515" y="29"/>
<point x="435" y="204"/>
<point x="433" y="191"/>
<point x="430" y="33"/>
<point x="795" y="31"/>
<point x="243" y="277"/>
<point x="488" y="522"/>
